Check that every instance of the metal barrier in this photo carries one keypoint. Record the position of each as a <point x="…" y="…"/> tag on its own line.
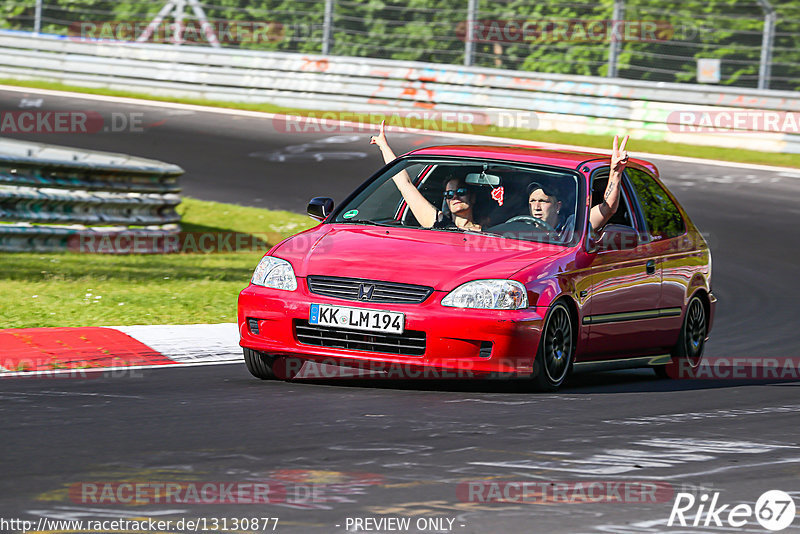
<point x="746" y="44"/>
<point x="563" y="103"/>
<point x="54" y="198"/>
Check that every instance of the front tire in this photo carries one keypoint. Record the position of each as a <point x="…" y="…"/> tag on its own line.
<point x="556" y="349"/>
<point x="688" y="352"/>
<point x="259" y="364"/>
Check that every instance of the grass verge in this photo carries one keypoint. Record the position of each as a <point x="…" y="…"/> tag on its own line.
<point x="586" y="140"/>
<point x="74" y="289"/>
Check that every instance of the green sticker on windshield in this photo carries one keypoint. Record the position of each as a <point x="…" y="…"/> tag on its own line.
<point x="350" y="214"/>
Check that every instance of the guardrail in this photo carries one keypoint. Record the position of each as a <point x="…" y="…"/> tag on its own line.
<point x="564" y="103"/>
<point x="54" y="198"/>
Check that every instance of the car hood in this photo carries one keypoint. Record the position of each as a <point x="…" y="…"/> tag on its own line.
<point x="441" y="259"/>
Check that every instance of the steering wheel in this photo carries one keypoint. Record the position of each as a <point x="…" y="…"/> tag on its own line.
<point x="529" y="219"/>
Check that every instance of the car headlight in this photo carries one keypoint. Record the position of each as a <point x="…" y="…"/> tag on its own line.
<point x="488" y="294"/>
<point x="275" y="273"/>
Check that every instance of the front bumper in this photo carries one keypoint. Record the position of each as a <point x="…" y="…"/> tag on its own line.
<point x="453" y="336"/>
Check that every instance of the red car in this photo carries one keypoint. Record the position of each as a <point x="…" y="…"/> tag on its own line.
<point x="370" y="288"/>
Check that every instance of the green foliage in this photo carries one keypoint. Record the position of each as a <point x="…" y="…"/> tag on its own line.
<point x="435" y="31"/>
<point x="16" y="14"/>
<point x="77" y="289"/>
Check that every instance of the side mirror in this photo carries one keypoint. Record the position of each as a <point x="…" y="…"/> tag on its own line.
<point x="319" y="208"/>
<point x="616" y="237"/>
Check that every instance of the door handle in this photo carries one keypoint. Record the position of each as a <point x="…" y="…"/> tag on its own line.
<point x="651" y="267"/>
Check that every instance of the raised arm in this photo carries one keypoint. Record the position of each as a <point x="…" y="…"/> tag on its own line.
<point x="601" y="213"/>
<point x="423" y="210"/>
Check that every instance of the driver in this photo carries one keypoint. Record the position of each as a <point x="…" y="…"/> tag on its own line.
<point x="459" y="197"/>
<point x="545" y="205"/>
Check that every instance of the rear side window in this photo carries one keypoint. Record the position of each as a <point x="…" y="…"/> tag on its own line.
<point x="660" y="212"/>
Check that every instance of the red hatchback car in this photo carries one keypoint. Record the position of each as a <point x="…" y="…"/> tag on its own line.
<point x="371" y="288"/>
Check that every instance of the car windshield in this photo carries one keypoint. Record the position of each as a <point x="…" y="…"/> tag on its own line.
<point x="510" y="200"/>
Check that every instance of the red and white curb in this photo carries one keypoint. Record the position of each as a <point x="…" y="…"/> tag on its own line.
<point x="52" y="351"/>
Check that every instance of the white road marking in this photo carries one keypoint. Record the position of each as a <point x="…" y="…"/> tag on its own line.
<point x="398" y="448"/>
<point x="693" y="475"/>
<point x="67" y="394"/>
<point x="694" y="416"/>
<point x="31" y="103"/>
<point x="657" y="526"/>
<point x="713" y="445"/>
<point x="617" y="461"/>
<point x="76" y="512"/>
<point x="119" y="370"/>
<point x="487" y="401"/>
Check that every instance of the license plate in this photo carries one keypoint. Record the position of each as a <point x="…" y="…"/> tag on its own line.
<point x="357" y="318"/>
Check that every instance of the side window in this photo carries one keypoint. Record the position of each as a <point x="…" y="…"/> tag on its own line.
<point x="663" y="218"/>
<point x="623" y="214"/>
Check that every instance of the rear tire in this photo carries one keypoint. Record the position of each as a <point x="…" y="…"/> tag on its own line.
<point x="688" y="352"/>
<point x="556" y="350"/>
<point x="259" y="364"/>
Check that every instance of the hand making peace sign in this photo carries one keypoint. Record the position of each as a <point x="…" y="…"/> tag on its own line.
<point x="619" y="156"/>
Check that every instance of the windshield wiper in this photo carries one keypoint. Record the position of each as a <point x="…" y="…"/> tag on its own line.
<point x="462" y="231"/>
<point x="478" y="232"/>
<point x="367" y="221"/>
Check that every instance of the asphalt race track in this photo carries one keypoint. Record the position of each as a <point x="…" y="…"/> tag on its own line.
<point x="334" y="452"/>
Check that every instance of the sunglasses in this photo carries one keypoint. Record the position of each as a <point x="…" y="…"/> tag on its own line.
<point x="461" y="191"/>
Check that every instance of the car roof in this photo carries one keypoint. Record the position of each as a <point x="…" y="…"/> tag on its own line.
<point x="571" y="159"/>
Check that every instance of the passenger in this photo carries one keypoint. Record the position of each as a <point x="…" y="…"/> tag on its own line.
<point x="459" y="197"/>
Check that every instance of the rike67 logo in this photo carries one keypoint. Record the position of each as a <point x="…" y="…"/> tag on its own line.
<point x="774" y="510"/>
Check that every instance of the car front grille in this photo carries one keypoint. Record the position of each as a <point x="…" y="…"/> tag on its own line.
<point x="360" y="290"/>
<point x="409" y="343"/>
